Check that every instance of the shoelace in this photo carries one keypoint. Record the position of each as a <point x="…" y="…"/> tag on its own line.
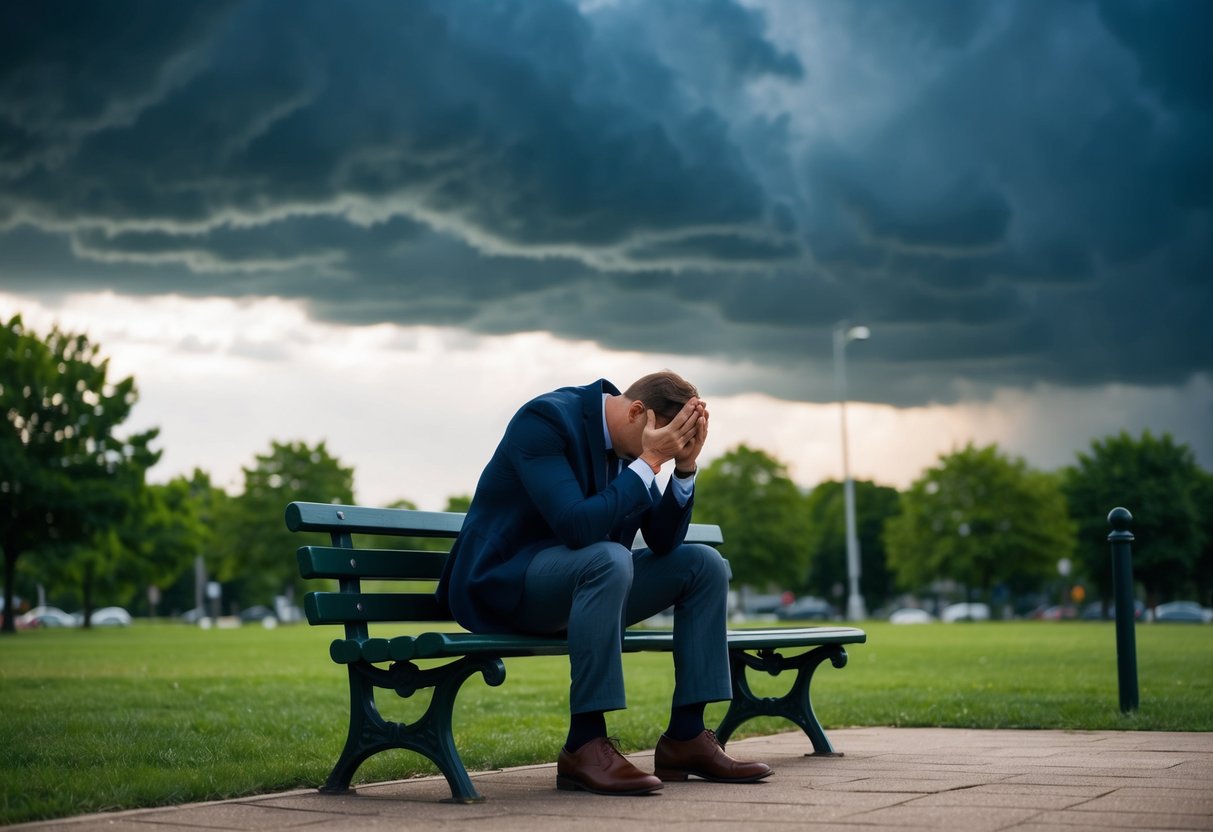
<point x="613" y="746"/>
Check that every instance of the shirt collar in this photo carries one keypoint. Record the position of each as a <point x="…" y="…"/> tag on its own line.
<point x="606" y="434"/>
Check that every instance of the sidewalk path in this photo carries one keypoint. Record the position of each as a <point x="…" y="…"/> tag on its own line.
<point x="901" y="779"/>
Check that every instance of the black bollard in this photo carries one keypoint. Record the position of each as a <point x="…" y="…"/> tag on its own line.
<point x="1122" y="592"/>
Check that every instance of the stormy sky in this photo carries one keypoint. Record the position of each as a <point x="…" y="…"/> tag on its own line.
<point x="1013" y="196"/>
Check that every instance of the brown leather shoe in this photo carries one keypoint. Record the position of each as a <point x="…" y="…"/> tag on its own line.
<point x="598" y="767"/>
<point x="704" y="757"/>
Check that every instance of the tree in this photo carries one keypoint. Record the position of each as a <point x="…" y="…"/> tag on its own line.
<point x="762" y="514"/>
<point x="157" y="536"/>
<point x="66" y="478"/>
<point x="979" y="518"/>
<point x="257" y="554"/>
<point x="1160" y="483"/>
<point x="458" y="503"/>
<point x="874" y="504"/>
<point x="204" y="515"/>
<point x="1204" y="564"/>
<point x="170" y="532"/>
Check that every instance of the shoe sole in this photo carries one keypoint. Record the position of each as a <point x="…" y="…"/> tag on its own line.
<point x="678" y="775"/>
<point x="569" y="784"/>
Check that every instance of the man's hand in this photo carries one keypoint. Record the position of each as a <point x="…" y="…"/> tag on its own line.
<point x="681" y="439"/>
<point x="686" y="459"/>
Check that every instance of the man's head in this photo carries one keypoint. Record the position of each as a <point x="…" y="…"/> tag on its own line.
<point x="665" y="393"/>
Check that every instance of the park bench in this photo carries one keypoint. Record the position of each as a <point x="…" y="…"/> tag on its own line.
<point x="365" y="657"/>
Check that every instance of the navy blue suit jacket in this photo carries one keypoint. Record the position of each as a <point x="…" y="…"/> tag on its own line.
<point x="546" y="485"/>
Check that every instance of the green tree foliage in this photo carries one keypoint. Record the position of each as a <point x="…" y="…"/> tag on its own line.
<point x="154" y="542"/>
<point x="173" y="529"/>
<point x="1204" y="564"/>
<point x="99" y="568"/>
<point x="874" y="504"/>
<point x="203" y="513"/>
<point x="257" y="555"/>
<point x="66" y="478"/>
<point x="762" y="514"/>
<point x="459" y="503"/>
<point x="979" y="518"/>
<point x="1161" y="484"/>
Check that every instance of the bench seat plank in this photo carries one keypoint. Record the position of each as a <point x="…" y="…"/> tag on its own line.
<point x="443" y="645"/>
<point x="349" y="650"/>
<point x="436" y="645"/>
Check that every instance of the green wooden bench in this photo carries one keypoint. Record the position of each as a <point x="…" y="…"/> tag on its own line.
<point x="390" y="662"/>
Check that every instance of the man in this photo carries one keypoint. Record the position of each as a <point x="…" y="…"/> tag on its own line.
<point x="545" y="549"/>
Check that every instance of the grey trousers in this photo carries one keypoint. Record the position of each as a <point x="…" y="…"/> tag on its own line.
<point x="595" y="592"/>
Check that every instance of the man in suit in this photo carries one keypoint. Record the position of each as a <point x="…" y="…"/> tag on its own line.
<point x="546" y="549"/>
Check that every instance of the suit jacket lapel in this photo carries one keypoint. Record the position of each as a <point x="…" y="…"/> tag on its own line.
<point x="591" y="411"/>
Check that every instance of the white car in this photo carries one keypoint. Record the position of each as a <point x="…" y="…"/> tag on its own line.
<point x="965" y="612"/>
<point x="110" y="617"/>
<point x="910" y="615"/>
<point x="1189" y="611"/>
<point x="40" y="617"/>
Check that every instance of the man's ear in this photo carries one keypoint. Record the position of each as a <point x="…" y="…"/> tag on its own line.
<point x="636" y="410"/>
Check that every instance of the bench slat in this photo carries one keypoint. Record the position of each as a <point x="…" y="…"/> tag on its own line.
<point x="795" y="637"/>
<point x="350" y="650"/>
<point x="696" y="533"/>
<point x="403" y="522"/>
<point x="342" y="607"/>
<point x="439" y="645"/>
<point x="336" y="562"/>
<point x="328" y="517"/>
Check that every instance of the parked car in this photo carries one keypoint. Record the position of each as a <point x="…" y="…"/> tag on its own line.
<point x="910" y="615"/>
<point x="761" y="604"/>
<point x="965" y="612"/>
<point x="107" y="617"/>
<point x="194" y="616"/>
<point x="1094" y="611"/>
<point x="807" y="609"/>
<point x="1180" y="611"/>
<point x="1058" y="613"/>
<point x="257" y="614"/>
<point x="40" y="617"/>
<point x="290" y="614"/>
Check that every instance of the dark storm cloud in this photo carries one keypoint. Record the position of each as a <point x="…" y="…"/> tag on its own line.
<point x="1006" y="192"/>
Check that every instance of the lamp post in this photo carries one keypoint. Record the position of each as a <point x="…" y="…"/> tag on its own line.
<point x="843" y="335"/>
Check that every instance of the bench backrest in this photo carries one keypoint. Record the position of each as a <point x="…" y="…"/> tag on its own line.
<point x="350" y="565"/>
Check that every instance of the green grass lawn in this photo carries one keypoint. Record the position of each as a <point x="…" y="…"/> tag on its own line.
<point x="159" y="714"/>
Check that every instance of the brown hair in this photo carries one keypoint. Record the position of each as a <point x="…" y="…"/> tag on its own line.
<point x="664" y="393"/>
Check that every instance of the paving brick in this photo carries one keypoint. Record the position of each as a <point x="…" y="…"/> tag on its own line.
<point x="1125" y="820"/>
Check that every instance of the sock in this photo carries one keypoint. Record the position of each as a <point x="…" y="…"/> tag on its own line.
<point x="686" y="722"/>
<point x="583" y="728"/>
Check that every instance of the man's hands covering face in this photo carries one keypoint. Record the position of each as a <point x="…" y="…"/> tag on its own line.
<point x="681" y="439"/>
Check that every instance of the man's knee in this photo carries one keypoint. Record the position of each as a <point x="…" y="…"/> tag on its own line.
<point x="706" y="563"/>
<point x="608" y="563"/>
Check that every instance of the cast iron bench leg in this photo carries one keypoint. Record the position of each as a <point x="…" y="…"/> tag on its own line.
<point x="430" y="735"/>
<point x="796" y="705"/>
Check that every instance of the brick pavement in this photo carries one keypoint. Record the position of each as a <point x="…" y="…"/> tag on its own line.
<point x="901" y="779"/>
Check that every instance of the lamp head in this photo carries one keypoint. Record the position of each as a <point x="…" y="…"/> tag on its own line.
<point x="859" y="333"/>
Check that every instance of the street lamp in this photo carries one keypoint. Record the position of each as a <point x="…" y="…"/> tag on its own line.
<point x="843" y="335"/>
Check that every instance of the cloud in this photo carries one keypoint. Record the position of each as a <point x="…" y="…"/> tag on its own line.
<point x="1009" y="193"/>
